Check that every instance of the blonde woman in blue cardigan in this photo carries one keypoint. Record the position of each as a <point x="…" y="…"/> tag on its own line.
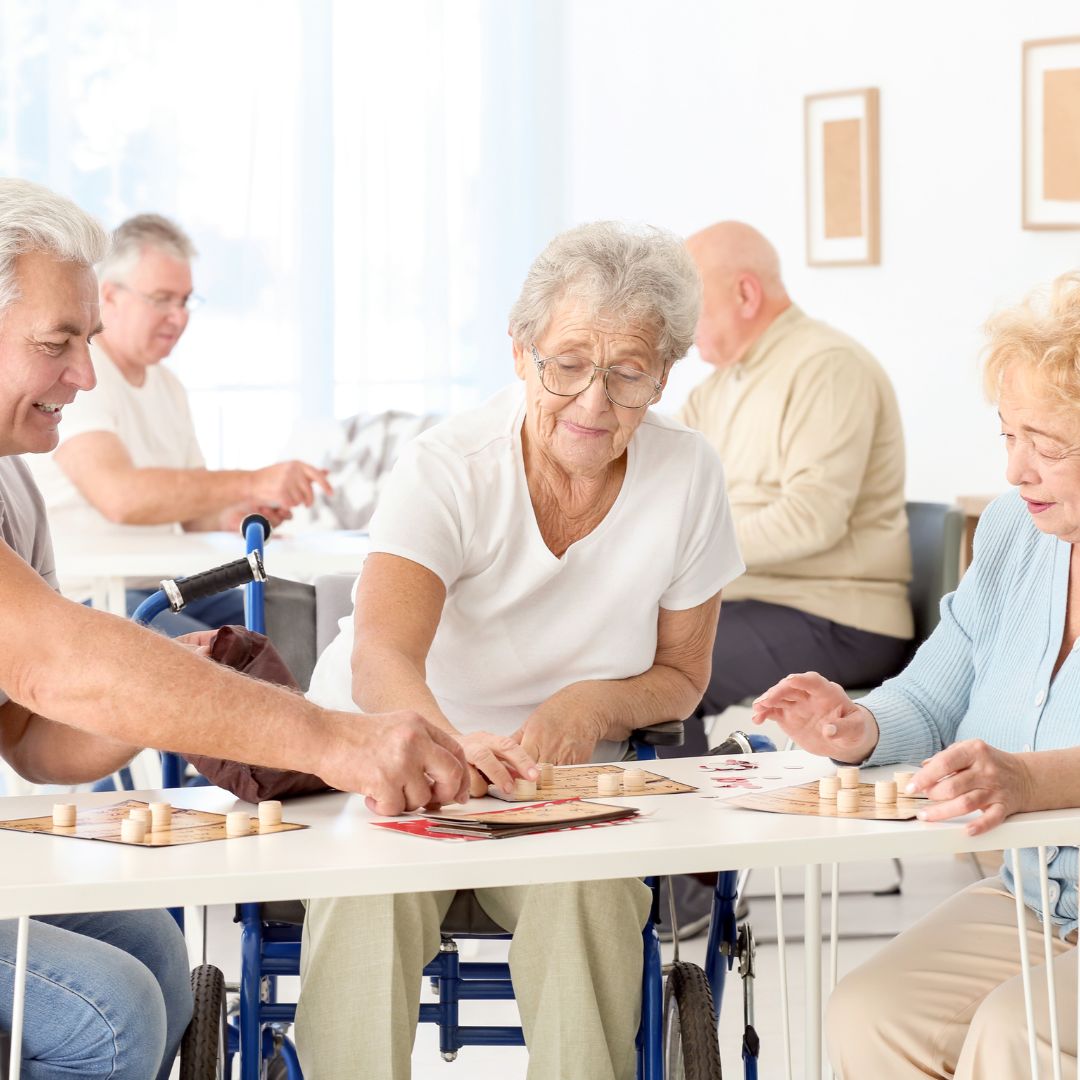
<point x="991" y="703"/>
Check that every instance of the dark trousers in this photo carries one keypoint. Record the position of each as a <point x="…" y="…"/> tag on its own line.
<point x="758" y="644"/>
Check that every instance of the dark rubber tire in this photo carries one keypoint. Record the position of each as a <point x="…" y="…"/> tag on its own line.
<point x="691" y="1045"/>
<point x="202" y="1051"/>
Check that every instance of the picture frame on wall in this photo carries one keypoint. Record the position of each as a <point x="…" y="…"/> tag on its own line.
<point x="843" y="226"/>
<point x="1051" y="134"/>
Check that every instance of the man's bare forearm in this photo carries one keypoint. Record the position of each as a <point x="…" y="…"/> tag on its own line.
<point x="45" y="752"/>
<point x="161" y="496"/>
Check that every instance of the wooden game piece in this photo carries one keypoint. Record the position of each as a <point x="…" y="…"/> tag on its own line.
<point x="63" y="815"/>
<point x="902" y="780"/>
<point x="633" y="781"/>
<point x="828" y="786"/>
<point x="847" y="800"/>
<point x="523" y="788"/>
<point x="269" y="813"/>
<point x="237" y="823"/>
<point x="547" y="774"/>
<point x="885" y="792"/>
<point x="140" y="813"/>
<point x="160" y="816"/>
<point x="849" y="776"/>
<point x="608" y="784"/>
<point x="133" y="830"/>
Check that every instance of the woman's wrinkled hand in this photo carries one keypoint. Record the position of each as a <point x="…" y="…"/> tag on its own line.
<point x="970" y="776"/>
<point x="560" y="733"/>
<point x="819" y="716"/>
<point x="495" y="759"/>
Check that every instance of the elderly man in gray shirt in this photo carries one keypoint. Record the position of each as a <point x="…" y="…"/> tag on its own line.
<point x="107" y="994"/>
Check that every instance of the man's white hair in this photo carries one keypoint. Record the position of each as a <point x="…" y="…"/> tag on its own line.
<point x="33" y="218"/>
<point x="634" y="275"/>
<point x="131" y="238"/>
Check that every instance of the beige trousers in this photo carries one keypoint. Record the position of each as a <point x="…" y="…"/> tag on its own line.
<point x="575" y="961"/>
<point x="946" y="999"/>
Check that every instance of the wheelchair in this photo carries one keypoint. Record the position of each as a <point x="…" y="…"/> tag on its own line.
<point x="677" y="1037"/>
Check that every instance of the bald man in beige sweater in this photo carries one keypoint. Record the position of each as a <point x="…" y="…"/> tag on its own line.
<point x="806" y="423"/>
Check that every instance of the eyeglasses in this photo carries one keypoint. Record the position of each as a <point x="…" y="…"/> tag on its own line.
<point x="165" y="303"/>
<point x="568" y="376"/>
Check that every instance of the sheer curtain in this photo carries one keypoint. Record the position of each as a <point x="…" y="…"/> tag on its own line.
<point x="366" y="184"/>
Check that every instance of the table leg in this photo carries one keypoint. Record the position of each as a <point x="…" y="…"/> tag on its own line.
<point x="812" y="962"/>
<point x="21" y="948"/>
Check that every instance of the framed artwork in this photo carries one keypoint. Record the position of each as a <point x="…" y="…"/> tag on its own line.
<point x="1051" y="122"/>
<point x="842" y="194"/>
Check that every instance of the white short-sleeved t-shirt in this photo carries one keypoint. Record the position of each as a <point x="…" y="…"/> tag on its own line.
<point x="154" y="423"/>
<point x="23" y="526"/>
<point x="520" y="623"/>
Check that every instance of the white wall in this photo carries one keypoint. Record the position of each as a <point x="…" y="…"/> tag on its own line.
<point x="682" y="113"/>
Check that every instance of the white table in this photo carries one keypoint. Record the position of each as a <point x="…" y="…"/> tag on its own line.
<point x="343" y="855"/>
<point x="110" y="560"/>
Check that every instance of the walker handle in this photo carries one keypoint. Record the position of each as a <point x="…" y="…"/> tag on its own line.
<point x="182" y="591"/>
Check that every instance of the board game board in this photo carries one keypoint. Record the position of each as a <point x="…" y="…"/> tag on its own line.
<point x="103" y="823"/>
<point x="803" y="800"/>
<point x="579" y="782"/>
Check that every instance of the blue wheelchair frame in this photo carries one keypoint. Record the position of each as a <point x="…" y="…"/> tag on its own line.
<point x="272" y="949"/>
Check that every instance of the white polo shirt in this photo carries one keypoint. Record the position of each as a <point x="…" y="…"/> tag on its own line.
<point x="520" y="623"/>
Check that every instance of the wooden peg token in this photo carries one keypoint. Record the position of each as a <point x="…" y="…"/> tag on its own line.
<point x="237" y="823"/>
<point x="140" y="813"/>
<point x="133" y="830"/>
<point x="547" y="774"/>
<point x="885" y="792"/>
<point x="828" y="786"/>
<point x="847" y="800"/>
<point x="902" y="779"/>
<point x="160" y="816"/>
<point x="523" y="788"/>
<point x="269" y="813"/>
<point x="63" y="815"/>
<point x="608" y="784"/>
<point x="849" y="776"/>
<point x="633" y="781"/>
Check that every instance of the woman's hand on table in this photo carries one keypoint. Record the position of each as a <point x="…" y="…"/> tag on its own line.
<point x="495" y="759"/>
<point x="820" y="717"/>
<point x="970" y="776"/>
<point x="560" y="731"/>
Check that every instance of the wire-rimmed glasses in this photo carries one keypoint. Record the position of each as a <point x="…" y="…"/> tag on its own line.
<point x="568" y="376"/>
<point x="166" y="304"/>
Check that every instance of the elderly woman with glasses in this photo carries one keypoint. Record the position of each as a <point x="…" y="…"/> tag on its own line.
<point x="544" y="578"/>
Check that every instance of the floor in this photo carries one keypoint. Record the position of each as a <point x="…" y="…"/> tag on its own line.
<point x="865" y="918"/>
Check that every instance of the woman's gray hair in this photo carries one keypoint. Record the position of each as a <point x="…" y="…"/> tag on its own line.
<point x="33" y="218"/>
<point x="131" y="238"/>
<point x="639" y="276"/>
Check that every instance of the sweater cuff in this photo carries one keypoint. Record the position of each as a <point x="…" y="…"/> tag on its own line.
<point x="904" y="734"/>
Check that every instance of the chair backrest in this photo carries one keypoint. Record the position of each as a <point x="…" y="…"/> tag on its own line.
<point x="936" y="531"/>
<point x="301" y="620"/>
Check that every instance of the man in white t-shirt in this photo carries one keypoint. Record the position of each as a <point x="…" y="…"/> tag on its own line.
<point x="128" y="456"/>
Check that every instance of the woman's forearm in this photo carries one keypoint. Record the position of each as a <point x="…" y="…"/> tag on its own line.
<point x="1054" y="779"/>
<point x="384" y="679"/>
<point x="620" y="706"/>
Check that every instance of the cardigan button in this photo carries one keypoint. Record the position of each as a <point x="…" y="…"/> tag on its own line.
<point x="1040" y="697"/>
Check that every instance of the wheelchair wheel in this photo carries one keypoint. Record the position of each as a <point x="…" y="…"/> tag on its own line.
<point x="202" y="1051"/>
<point x="691" y="1046"/>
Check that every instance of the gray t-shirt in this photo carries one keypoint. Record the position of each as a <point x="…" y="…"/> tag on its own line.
<point x="23" y="526"/>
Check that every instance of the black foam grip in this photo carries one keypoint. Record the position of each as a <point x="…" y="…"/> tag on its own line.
<point x="251" y="519"/>
<point x="219" y="579"/>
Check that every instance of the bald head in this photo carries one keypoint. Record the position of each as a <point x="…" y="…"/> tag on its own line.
<point x="743" y="289"/>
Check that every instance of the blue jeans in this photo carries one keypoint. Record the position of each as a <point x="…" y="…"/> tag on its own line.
<point x="225" y="609"/>
<point x="107" y="995"/>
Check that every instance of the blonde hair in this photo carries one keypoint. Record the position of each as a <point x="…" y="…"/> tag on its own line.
<point x="1041" y="338"/>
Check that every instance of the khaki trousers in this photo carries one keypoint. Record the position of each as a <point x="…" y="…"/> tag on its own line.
<point x="946" y="998"/>
<point x="575" y="961"/>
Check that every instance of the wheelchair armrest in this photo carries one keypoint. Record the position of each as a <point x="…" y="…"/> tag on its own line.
<point x="667" y="733"/>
